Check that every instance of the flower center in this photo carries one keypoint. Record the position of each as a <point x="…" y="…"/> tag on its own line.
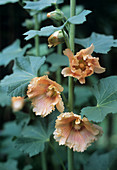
<point x="51" y="92"/>
<point x="77" y="124"/>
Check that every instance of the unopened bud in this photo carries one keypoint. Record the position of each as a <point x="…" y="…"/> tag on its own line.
<point x="56" y="38"/>
<point x="57" y="15"/>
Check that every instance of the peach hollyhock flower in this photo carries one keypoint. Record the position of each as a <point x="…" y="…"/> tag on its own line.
<point x="17" y="103"/>
<point x="82" y="64"/>
<point x="75" y="132"/>
<point x="45" y="94"/>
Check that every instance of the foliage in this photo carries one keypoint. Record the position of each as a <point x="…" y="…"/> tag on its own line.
<point x="105" y="92"/>
<point x="24" y="70"/>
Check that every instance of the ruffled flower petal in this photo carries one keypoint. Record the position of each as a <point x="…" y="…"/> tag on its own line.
<point x="45" y="94"/>
<point x="75" y="132"/>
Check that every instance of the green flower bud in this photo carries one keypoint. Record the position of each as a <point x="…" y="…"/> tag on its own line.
<point x="57" y="15"/>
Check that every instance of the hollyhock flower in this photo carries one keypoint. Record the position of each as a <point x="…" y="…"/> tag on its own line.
<point x="45" y="94"/>
<point x="17" y="103"/>
<point x="56" y="38"/>
<point x="82" y="64"/>
<point x="75" y="132"/>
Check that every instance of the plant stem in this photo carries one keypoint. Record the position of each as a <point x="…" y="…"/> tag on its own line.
<point x="36" y="27"/>
<point x="71" y="89"/>
<point x="58" y="73"/>
<point x="58" y="156"/>
<point x="43" y="159"/>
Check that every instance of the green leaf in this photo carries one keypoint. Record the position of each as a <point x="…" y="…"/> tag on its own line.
<point x="40" y="5"/>
<point x="82" y="94"/>
<point x="57" y="60"/>
<point x="43" y="50"/>
<point x="24" y="70"/>
<point x="102" y="43"/>
<point x="11" y="129"/>
<point x="44" y="31"/>
<point x="66" y="8"/>
<point x="79" y="19"/>
<point x="105" y="92"/>
<point x="34" y="137"/>
<point x="101" y="161"/>
<point x="22" y="118"/>
<point x="28" y="167"/>
<point x="11" y="52"/>
<point x="5" y="100"/>
<point x="2" y="2"/>
<point x="9" y="165"/>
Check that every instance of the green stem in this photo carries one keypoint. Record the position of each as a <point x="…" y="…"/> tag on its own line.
<point x="43" y="158"/>
<point x="71" y="89"/>
<point x="58" y="157"/>
<point x="36" y="27"/>
<point x="58" y="73"/>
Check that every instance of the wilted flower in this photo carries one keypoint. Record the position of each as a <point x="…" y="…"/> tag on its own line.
<point x="56" y="38"/>
<point x="57" y="15"/>
<point x="82" y="64"/>
<point x="75" y="132"/>
<point x="45" y="94"/>
<point x="17" y="103"/>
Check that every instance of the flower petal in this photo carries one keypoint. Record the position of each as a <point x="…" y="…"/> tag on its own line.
<point x="60" y="105"/>
<point x="44" y="105"/>
<point x="89" y="50"/>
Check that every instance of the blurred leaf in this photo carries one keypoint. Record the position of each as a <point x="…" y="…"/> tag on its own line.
<point x="11" y="52"/>
<point x="44" y="69"/>
<point x="8" y="148"/>
<point x="24" y="70"/>
<point x="101" y="161"/>
<point x="2" y="2"/>
<point x="43" y="50"/>
<point x="5" y="100"/>
<point x="29" y="23"/>
<point x="82" y="94"/>
<point x="57" y="60"/>
<point x="34" y="137"/>
<point x="9" y="165"/>
<point x="22" y="118"/>
<point x="27" y="167"/>
<point x="105" y="92"/>
<point x="101" y="42"/>
<point x="40" y="5"/>
<point x="11" y="129"/>
<point x="66" y="8"/>
<point x="79" y="19"/>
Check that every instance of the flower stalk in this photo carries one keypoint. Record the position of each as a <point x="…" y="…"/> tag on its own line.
<point x="70" y="96"/>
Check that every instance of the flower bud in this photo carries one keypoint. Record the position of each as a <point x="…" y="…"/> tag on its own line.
<point x="57" y="15"/>
<point x="56" y="38"/>
<point x="17" y="103"/>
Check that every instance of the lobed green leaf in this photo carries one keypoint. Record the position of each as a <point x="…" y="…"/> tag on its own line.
<point x="34" y="137"/>
<point x="101" y="161"/>
<point x="79" y="19"/>
<point x="11" y="52"/>
<point x="40" y="5"/>
<point x="2" y="2"/>
<point x="105" y="92"/>
<point x="24" y="70"/>
<point x="101" y="42"/>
